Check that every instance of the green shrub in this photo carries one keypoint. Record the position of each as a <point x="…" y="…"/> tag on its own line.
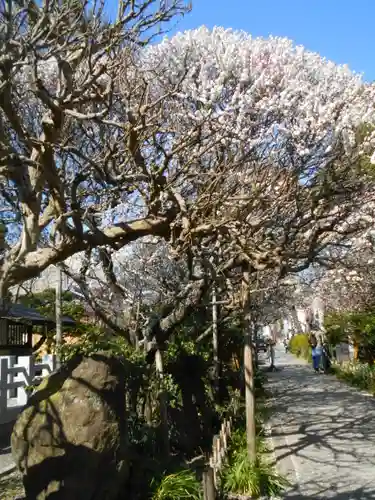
<point x="357" y="374"/>
<point x="334" y="324"/>
<point x="243" y="477"/>
<point x="357" y="327"/>
<point x="238" y="442"/>
<point x="182" y="484"/>
<point x="299" y="345"/>
<point x="260" y="380"/>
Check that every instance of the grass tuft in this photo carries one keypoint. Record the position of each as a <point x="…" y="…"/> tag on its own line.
<point x="243" y="477"/>
<point x="181" y="485"/>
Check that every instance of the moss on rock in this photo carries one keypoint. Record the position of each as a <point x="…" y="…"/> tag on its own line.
<point x="70" y="441"/>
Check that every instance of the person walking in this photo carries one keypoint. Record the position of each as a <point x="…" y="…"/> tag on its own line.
<point x="271" y="354"/>
<point x="316" y="351"/>
<point x="326" y="357"/>
<point x="286" y="345"/>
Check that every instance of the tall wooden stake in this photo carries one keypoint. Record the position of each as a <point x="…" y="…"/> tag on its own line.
<point x="255" y="350"/>
<point x="215" y="338"/>
<point x="58" y="337"/>
<point x="248" y="367"/>
<point x="162" y="403"/>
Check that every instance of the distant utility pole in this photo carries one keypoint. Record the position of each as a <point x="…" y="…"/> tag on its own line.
<point x="215" y="330"/>
<point x="58" y="338"/>
<point x="215" y="338"/>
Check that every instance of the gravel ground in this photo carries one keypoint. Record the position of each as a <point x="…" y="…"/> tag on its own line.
<point x="323" y="433"/>
<point x="11" y="486"/>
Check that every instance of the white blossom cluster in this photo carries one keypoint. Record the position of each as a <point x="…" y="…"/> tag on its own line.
<point x="368" y="146"/>
<point x="350" y="283"/>
<point x="263" y="89"/>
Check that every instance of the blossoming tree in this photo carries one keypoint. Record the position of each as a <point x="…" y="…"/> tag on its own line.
<point x="68" y="142"/>
<point x="285" y="177"/>
<point x="103" y="142"/>
<point x="227" y="146"/>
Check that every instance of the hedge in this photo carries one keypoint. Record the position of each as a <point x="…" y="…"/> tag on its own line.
<point x="299" y="345"/>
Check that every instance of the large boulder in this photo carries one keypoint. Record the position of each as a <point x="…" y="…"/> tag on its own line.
<point x="70" y="441"/>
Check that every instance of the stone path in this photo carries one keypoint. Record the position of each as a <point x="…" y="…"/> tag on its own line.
<point x="6" y="460"/>
<point x="324" y="433"/>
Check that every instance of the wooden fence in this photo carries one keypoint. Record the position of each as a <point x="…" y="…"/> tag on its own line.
<point x="216" y="461"/>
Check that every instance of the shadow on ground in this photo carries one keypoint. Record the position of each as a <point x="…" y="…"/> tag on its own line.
<point x="352" y="494"/>
<point x="324" y="434"/>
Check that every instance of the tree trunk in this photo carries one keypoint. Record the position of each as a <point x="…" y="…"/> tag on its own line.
<point x="147" y="409"/>
<point x="296" y="324"/>
<point x="191" y="421"/>
<point x="248" y="368"/>
<point x="135" y="337"/>
<point x="163" y="404"/>
<point x="356" y="350"/>
<point x="256" y="361"/>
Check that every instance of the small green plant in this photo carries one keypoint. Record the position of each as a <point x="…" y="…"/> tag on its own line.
<point x="355" y="327"/>
<point x="357" y="374"/>
<point x="251" y="478"/>
<point x="238" y="443"/>
<point x="181" y="485"/>
<point x="242" y="477"/>
<point x="299" y="345"/>
<point x="259" y="383"/>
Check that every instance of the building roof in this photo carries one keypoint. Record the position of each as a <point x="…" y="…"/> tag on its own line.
<point x="19" y="311"/>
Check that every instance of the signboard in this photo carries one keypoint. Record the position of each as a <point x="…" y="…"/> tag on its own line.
<point x="342" y="352"/>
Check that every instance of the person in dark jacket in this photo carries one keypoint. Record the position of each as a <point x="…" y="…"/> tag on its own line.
<point x="326" y="357"/>
<point x="286" y="345"/>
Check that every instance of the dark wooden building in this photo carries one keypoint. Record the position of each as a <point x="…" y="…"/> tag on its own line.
<point x="16" y="329"/>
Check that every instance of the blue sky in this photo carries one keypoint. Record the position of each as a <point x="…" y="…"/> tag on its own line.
<point x="340" y="30"/>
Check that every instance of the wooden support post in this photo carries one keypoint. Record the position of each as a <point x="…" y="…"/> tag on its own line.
<point x="218" y="453"/>
<point x="214" y="458"/>
<point x="215" y="339"/>
<point x="163" y="403"/>
<point x="224" y="434"/>
<point x="58" y="336"/>
<point x="248" y="367"/>
<point x="209" y="492"/>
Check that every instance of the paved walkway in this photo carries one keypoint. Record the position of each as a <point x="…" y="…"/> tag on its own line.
<point x="6" y="460"/>
<point x="324" y="434"/>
